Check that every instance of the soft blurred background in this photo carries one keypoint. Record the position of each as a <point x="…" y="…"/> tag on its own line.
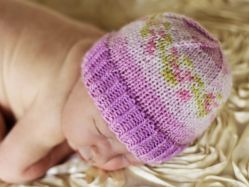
<point x="220" y="158"/>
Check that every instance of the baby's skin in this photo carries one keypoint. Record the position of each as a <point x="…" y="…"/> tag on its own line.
<point x="41" y="89"/>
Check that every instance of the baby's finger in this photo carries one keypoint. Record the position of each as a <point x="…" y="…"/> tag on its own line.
<point x="31" y="139"/>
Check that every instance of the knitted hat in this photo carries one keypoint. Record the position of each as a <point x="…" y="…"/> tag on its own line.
<point x="158" y="83"/>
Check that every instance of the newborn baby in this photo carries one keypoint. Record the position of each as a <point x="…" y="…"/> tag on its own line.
<point x="138" y="95"/>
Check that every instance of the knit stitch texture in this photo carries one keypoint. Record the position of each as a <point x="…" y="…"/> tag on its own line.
<point x="158" y="82"/>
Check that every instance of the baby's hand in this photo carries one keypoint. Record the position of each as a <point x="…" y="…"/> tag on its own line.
<point x="40" y="55"/>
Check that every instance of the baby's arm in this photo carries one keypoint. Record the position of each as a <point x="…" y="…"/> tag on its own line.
<point x="40" y="53"/>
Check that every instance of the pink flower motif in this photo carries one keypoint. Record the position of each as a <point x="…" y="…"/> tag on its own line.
<point x="161" y="33"/>
<point x="211" y="96"/>
<point x="151" y="47"/>
<point x="180" y="74"/>
<point x="175" y="67"/>
<point x="210" y="102"/>
<point x="188" y="76"/>
<point x="184" y="95"/>
<point x="174" y="51"/>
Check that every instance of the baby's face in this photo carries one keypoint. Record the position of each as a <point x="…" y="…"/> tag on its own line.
<point x="88" y="134"/>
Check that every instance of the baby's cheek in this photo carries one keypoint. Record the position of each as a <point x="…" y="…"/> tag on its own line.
<point x="78" y="133"/>
<point x="77" y="121"/>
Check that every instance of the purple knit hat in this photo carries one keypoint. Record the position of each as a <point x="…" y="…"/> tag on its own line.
<point x="158" y="82"/>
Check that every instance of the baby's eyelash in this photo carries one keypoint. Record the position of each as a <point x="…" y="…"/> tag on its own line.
<point x="97" y="128"/>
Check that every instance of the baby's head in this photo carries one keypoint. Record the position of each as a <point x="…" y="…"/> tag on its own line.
<point x="153" y="87"/>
